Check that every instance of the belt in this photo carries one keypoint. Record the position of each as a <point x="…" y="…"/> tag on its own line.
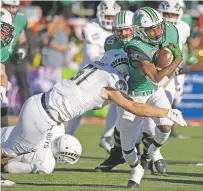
<point x="141" y="93"/>
<point x="46" y="109"/>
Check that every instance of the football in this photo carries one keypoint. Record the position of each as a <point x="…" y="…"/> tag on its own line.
<point x="163" y="58"/>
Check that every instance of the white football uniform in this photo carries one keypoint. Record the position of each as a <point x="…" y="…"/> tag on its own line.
<point x="93" y="46"/>
<point x="66" y="100"/>
<point x="41" y="160"/>
<point x="93" y="49"/>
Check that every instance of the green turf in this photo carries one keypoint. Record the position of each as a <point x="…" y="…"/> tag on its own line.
<point x="181" y="155"/>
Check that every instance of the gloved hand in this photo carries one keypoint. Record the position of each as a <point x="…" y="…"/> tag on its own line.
<point x="175" y="49"/>
<point x="179" y="70"/>
<point x="176" y="116"/>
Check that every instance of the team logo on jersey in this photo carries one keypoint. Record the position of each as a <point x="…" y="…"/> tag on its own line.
<point x="121" y="85"/>
<point x="95" y="36"/>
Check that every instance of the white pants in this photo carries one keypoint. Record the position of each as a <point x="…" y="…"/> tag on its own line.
<point x="129" y="124"/>
<point x="29" y="133"/>
<point x="179" y="85"/>
<point x="148" y="125"/>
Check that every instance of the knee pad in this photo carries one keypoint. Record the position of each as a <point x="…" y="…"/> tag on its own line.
<point x="130" y="157"/>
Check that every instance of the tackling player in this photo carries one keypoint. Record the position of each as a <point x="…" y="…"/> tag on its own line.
<point x="95" y="33"/>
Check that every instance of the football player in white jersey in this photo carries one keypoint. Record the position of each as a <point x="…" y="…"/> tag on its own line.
<point x="95" y="33"/>
<point x="57" y="147"/>
<point x="95" y="86"/>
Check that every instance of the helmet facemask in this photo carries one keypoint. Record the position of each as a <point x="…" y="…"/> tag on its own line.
<point x="123" y="34"/>
<point x="122" y="26"/>
<point x="171" y="11"/>
<point x="6" y="34"/>
<point x="66" y="149"/>
<point x="149" y="26"/>
<point x="106" y="10"/>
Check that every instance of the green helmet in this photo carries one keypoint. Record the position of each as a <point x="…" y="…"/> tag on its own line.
<point x="123" y="20"/>
<point x="147" y="20"/>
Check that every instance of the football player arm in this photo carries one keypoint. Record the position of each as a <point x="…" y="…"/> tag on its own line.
<point x="159" y="78"/>
<point x="198" y="67"/>
<point x="122" y="100"/>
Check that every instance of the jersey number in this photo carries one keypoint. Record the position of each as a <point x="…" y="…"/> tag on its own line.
<point x="84" y="74"/>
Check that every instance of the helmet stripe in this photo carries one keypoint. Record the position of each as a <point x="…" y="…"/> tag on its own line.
<point x="151" y="12"/>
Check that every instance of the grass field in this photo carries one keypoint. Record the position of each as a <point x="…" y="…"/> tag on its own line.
<point x="181" y="156"/>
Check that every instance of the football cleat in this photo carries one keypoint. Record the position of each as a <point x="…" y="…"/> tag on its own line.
<point x="147" y="164"/>
<point x="115" y="158"/>
<point x="135" y="177"/>
<point x="7" y="183"/>
<point x="161" y="166"/>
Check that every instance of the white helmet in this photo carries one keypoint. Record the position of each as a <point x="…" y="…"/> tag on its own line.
<point x="146" y="19"/>
<point x="122" y="20"/>
<point x="107" y="8"/>
<point x="6" y="27"/>
<point x="118" y="59"/>
<point x="172" y="6"/>
<point x="11" y="2"/>
<point x="66" y="149"/>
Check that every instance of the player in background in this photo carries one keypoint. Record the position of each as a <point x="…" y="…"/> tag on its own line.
<point x="17" y="49"/>
<point x="7" y="29"/>
<point x="145" y="86"/>
<point x="172" y="12"/>
<point x="95" y="33"/>
<point x="56" y="147"/>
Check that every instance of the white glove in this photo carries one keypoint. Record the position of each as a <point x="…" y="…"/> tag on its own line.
<point x="176" y="116"/>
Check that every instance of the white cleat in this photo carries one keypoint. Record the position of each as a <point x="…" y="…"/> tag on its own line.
<point x="135" y="177"/>
<point x="7" y="183"/>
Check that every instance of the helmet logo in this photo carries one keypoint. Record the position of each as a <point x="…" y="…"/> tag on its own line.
<point x="2" y="14"/>
<point x="138" y="19"/>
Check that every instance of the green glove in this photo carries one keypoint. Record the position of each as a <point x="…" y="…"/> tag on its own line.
<point x="175" y="49"/>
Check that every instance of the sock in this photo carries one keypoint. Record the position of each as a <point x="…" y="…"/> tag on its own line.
<point x="117" y="140"/>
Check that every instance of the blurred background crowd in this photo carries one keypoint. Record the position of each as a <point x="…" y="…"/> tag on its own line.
<point x="54" y="36"/>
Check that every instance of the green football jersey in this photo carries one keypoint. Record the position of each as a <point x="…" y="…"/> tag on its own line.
<point x="139" y="50"/>
<point x="140" y="84"/>
<point x="4" y="55"/>
<point x="19" y="22"/>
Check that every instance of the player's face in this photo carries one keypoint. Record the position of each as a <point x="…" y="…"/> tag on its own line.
<point x="124" y="34"/>
<point x="12" y="9"/>
<point x="155" y="32"/>
<point x="109" y="17"/>
<point x="170" y="16"/>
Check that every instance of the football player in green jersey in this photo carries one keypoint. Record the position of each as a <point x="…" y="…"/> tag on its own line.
<point x="145" y="83"/>
<point x="17" y="49"/>
<point x="5" y="38"/>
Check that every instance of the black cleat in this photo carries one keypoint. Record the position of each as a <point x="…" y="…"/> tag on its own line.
<point x="147" y="164"/>
<point x="132" y="184"/>
<point x="161" y="166"/>
<point x="115" y="158"/>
